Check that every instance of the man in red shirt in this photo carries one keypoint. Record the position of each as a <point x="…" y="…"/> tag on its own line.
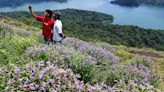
<point x="47" y="24"/>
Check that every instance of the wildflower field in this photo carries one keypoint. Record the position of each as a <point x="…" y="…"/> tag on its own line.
<point x="28" y="65"/>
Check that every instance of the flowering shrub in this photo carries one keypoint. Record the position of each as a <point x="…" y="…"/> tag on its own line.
<point x="92" y="49"/>
<point x="90" y="53"/>
<point x="133" y="71"/>
<point x="86" y="71"/>
<point x="7" y="30"/>
<point x="58" y="54"/>
<point x="40" y="76"/>
<point x="106" y="46"/>
<point x="65" y="57"/>
<point x="84" y="62"/>
<point x="143" y="60"/>
<point x="46" y="77"/>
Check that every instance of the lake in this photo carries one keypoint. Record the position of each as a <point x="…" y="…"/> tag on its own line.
<point x="143" y="16"/>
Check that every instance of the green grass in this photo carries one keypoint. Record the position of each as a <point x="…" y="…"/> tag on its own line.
<point x="12" y="48"/>
<point x="126" y="57"/>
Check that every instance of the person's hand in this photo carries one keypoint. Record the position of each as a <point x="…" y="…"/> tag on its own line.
<point x="30" y="7"/>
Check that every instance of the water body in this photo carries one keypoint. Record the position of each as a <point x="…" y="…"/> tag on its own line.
<point x="143" y="16"/>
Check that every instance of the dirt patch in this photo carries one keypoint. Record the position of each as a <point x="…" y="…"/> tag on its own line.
<point x="149" y="54"/>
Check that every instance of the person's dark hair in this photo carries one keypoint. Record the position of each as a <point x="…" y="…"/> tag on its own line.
<point x="49" y="12"/>
<point x="57" y="15"/>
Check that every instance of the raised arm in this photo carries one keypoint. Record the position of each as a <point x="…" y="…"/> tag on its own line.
<point x="32" y="13"/>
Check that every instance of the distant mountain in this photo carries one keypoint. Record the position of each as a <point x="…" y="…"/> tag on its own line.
<point x="138" y="2"/>
<point x="15" y="3"/>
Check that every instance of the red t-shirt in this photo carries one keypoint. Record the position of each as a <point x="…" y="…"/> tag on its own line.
<point x="47" y="25"/>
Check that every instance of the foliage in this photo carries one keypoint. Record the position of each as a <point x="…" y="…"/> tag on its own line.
<point x="45" y="76"/>
<point x="12" y="47"/>
<point x="85" y="26"/>
<point x="86" y="71"/>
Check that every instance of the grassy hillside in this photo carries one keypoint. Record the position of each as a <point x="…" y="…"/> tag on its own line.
<point x="93" y="26"/>
<point x="26" y="64"/>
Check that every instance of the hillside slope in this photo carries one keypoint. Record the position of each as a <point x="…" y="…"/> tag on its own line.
<point x="26" y="64"/>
